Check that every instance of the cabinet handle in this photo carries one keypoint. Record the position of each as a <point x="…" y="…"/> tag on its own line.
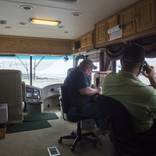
<point x="137" y="15"/>
<point x="133" y="21"/>
<point x="85" y="40"/>
<point x="136" y="19"/>
<point x="105" y="31"/>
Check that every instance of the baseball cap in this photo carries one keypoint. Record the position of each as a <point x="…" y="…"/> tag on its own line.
<point x="134" y="54"/>
<point x="89" y="62"/>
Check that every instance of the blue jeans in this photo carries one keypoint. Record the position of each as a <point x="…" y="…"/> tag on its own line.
<point x="89" y="110"/>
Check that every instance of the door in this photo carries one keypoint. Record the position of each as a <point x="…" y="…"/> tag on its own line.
<point x="111" y="22"/>
<point x="145" y="15"/>
<point x="101" y="29"/>
<point x="86" y="40"/>
<point x="127" y="16"/>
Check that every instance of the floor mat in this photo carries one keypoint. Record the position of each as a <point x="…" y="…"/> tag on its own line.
<point x="27" y="126"/>
<point x="40" y="116"/>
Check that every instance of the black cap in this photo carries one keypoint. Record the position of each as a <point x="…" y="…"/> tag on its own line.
<point x="134" y="54"/>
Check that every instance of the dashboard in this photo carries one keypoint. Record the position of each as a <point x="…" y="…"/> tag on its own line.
<point x="33" y="94"/>
<point x="51" y="91"/>
<point x="38" y="95"/>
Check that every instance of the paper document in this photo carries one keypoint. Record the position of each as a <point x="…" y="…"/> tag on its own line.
<point x="53" y="151"/>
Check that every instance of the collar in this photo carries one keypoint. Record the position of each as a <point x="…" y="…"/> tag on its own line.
<point x="128" y="75"/>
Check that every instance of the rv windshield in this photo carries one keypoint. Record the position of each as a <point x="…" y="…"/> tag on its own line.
<point x="46" y="70"/>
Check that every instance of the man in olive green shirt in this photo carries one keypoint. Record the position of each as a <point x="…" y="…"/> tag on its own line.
<point x="138" y="98"/>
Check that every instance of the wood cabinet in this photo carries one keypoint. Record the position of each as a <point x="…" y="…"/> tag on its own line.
<point x="83" y="43"/>
<point x="138" y="17"/>
<point x="102" y="27"/>
<point x="137" y="20"/>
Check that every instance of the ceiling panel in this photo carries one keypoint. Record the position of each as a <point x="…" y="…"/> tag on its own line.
<point x="92" y="12"/>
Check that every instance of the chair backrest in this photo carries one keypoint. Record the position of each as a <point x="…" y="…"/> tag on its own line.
<point x="11" y="93"/>
<point x="120" y="118"/>
<point x="65" y="100"/>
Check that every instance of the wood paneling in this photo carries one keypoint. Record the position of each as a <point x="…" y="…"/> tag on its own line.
<point x="28" y="45"/>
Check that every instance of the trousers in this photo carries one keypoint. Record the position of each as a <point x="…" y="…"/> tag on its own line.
<point x="90" y="110"/>
<point x="148" y="137"/>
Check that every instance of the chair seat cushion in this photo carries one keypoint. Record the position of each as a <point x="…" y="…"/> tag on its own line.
<point x="77" y="118"/>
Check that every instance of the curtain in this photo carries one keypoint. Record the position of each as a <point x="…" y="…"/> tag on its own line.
<point x="149" y="44"/>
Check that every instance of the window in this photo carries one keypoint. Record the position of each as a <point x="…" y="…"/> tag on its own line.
<point x="21" y="63"/>
<point x="150" y="61"/>
<point x="46" y="70"/>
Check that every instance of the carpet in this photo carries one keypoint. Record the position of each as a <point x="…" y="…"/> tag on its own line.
<point x="40" y="116"/>
<point x="32" y="122"/>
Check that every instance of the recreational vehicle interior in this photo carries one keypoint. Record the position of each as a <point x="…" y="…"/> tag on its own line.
<point x="42" y="39"/>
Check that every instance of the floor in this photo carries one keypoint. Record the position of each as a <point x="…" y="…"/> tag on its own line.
<point x="35" y="143"/>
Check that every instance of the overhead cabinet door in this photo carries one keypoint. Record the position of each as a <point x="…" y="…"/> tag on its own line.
<point x="86" y="40"/>
<point x="127" y="18"/>
<point x="102" y="28"/>
<point x="111" y="22"/>
<point x="145" y="16"/>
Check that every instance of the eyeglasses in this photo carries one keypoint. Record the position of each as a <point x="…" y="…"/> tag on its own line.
<point x="91" y="68"/>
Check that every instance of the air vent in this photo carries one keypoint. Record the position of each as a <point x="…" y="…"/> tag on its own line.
<point x="65" y="1"/>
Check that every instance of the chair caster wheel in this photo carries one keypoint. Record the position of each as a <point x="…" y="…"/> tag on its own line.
<point x="93" y="135"/>
<point x="94" y="144"/>
<point x="72" y="148"/>
<point x="60" y="140"/>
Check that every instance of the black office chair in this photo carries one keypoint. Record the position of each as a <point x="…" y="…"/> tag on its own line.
<point x="77" y="135"/>
<point x="122" y="133"/>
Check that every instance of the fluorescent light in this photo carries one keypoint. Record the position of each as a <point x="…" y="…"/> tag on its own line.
<point x="44" y="22"/>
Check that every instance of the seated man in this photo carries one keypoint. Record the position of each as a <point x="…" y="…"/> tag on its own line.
<point x="138" y="98"/>
<point x="80" y="93"/>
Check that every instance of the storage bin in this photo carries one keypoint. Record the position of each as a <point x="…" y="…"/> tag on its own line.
<point x="2" y="131"/>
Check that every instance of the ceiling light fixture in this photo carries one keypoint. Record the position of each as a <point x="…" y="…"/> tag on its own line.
<point x="61" y="26"/>
<point x="44" y="22"/>
<point x="76" y="14"/>
<point x="22" y="23"/>
<point x="7" y="27"/>
<point x="26" y="7"/>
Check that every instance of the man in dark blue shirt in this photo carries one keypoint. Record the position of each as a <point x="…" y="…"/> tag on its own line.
<point x="80" y="93"/>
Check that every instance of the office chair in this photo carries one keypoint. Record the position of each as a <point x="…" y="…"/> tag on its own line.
<point x="77" y="135"/>
<point x="122" y="133"/>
